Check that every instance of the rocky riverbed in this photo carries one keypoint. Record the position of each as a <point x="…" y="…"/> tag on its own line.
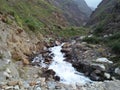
<point x="86" y="58"/>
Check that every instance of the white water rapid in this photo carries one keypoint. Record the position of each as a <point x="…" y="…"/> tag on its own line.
<point x="67" y="73"/>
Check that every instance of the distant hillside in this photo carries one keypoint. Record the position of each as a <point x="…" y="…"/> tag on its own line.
<point x="106" y="18"/>
<point x="76" y="11"/>
<point x="105" y="21"/>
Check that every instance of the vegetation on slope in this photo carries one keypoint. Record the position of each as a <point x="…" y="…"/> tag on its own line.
<point x="39" y="16"/>
<point x="31" y="14"/>
<point x="106" y="21"/>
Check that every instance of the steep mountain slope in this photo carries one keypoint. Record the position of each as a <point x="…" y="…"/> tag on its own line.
<point x="106" y="22"/>
<point x="106" y="17"/>
<point x="34" y="15"/>
<point x="76" y="11"/>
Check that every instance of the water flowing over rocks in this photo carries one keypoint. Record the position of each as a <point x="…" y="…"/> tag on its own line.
<point x="89" y="59"/>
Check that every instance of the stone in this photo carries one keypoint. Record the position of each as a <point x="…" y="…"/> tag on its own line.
<point x="48" y="60"/>
<point x="94" y="77"/>
<point x="66" y="45"/>
<point x="35" y="76"/>
<point x="12" y="83"/>
<point x="9" y="88"/>
<point x="57" y="78"/>
<point x="42" y="80"/>
<point x="117" y="70"/>
<point x="33" y="83"/>
<point x="8" y="71"/>
<point x="97" y="71"/>
<point x="38" y="88"/>
<point x="3" y="86"/>
<point x="7" y="75"/>
<point x="8" y="61"/>
<point x="66" y="50"/>
<point x="57" y="43"/>
<point x="105" y="60"/>
<point x="57" y="87"/>
<point x="26" y="85"/>
<point x="48" y="73"/>
<point x="20" y="83"/>
<point x="16" y="87"/>
<point x="25" y="61"/>
<point x="19" y="31"/>
<point x="100" y="67"/>
<point x="107" y="75"/>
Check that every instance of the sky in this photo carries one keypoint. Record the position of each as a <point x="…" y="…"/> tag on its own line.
<point x="93" y="3"/>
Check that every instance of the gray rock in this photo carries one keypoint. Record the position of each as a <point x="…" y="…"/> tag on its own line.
<point x="107" y="75"/>
<point x="37" y="88"/>
<point x="9" y="87"/>
<point x="107" y="85"/>
<point x="16" y="87"/>
<point x="117" y="71"/>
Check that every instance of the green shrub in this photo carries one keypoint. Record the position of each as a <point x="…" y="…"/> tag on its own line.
<point x="115" y="46"/>
<point x="99" y="29"/>
<point x="115" y="36"/>
<point x="93" y="40"/>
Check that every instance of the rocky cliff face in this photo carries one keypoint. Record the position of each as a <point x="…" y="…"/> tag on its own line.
<point x="75" y="11"/>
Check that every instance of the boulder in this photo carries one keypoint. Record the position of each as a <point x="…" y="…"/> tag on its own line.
<point x="117" y="70"/>
<point x="66" y="50"/>
<point x="66" y="45"/>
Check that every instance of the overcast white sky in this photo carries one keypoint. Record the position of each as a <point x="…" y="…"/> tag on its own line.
<point x="93" y="3"/>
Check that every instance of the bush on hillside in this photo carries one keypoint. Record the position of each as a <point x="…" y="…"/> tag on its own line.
<point x="93" y="40"/>
<point x="116" y="46"/>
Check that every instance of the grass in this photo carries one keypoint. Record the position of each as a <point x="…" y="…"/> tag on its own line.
<point x="114" y="42"/>
<point x="69" y="32"/>
<point x="92" y="40"/>
<point x="29" y="14"/>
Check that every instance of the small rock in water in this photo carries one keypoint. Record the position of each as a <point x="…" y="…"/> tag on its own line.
<point x="107" y="75"/>
<point x="57" y="78"/>
<point x="117" y="71"/>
